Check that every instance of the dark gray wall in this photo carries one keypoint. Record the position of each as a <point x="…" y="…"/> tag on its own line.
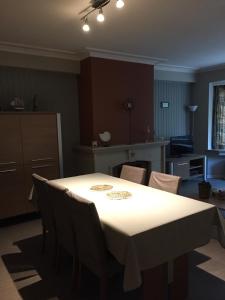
<point x="216" y="164"/>
<point x="174" y="120"/>
<point x="56" y="92"/>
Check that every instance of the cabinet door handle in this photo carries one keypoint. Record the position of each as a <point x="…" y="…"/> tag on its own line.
<point x="7" y="163"/>
<point x="42" y="159"/>
<point x="8" y="171"/>
<point x="42" y="166"/>
<point x="182" y="164"/>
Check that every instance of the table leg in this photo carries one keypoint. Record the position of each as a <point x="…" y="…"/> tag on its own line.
<point x="155" y="283"/>
<point x="178" y="289"/>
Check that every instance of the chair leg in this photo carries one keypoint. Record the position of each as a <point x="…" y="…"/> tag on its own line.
<point x="77" y="280"/>
<point x="75" y="272"/>
<point x="79" y="276"/>
<point x="58" y="257"/>
<point x="43" y="239"/>
<point x="103" y="288"/>
<point x="54" y="250"/>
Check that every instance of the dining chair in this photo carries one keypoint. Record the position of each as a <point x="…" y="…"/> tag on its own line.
<point x="165" y="182"/>
<point x="134" y="174"/>
<point x="64" y="232"/>
<point x="91" y="244"/>
<point x="46" y="210"/>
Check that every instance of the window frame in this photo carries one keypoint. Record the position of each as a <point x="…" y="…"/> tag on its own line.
<point x="210" y="113"/>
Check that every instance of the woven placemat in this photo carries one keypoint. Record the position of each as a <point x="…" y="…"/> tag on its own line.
<point x="101" y="187"/>
<point x="119" y="195"/>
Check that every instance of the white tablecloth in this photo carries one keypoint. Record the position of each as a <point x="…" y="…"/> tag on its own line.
<point x="149" y="228"/>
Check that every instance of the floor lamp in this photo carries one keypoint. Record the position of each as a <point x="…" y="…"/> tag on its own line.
<point x="192" y="109"/>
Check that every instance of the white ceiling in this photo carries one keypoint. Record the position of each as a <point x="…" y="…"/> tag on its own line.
<point x="188" y="33"/>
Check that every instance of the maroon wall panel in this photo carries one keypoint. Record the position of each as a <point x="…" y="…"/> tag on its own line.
<point x="85" y="103"/>
<point x="113" y="83"/>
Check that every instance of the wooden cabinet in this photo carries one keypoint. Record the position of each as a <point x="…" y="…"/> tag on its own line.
<point x="39" y="138"/>
<point x="12" y="192"/>
<point x="40" y="147"/>
<point x="10" y="139"/>
<point x="29" y="144"/>
<point x="49" y="170"/>
<point x="11" y="166"/>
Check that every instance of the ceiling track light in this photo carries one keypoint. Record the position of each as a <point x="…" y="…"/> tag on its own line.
<point x="119" y="3"/>
<point x="100" y="16"/>
<point x="96" y="4"/>
<point x="86" y="27"/>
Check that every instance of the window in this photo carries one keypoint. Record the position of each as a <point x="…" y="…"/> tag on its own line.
<point x="216" y="128"/>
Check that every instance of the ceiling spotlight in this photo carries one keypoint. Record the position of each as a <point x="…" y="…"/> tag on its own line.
<point x="96" y="5"/>
<point x="100" y="16"/>
<point x="119" y="3"/>
<point x="86" y="26"/>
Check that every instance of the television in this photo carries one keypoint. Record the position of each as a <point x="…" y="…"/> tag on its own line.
<point x="181" y="145"/>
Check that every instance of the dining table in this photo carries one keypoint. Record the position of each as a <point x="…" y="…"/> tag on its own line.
<point x="145" y="227"/>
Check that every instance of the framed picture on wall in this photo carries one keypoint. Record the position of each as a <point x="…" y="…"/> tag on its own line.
<point x="164" y="104"/>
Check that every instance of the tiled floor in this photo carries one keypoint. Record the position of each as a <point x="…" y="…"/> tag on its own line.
<point x="214" y="264"/>
<point x="8" y="235"/>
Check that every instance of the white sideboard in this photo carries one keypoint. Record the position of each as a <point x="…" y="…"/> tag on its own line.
<point x="104" y="159"/>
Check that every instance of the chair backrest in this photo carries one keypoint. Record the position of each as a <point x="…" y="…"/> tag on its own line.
<point x="64" y="230"/>
<point x="90" y="238"/>
<point x="43" y="201"/>
<point x="165" y="182"/>
<point x="132" y="173"/>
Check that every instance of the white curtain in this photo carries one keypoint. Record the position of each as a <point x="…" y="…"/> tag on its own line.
<point x="219" y="117"/>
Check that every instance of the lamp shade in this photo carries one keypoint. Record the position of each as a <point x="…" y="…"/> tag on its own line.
<point x="105" y="136"/>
